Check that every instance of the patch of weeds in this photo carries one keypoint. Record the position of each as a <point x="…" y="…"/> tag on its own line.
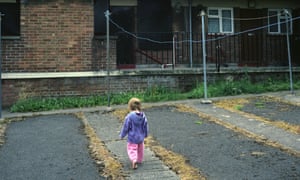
<point x="198" y="122"/>
<point x="259" y="104"/>
<point x="239" y="107"/>
<point x="156" y="93"/>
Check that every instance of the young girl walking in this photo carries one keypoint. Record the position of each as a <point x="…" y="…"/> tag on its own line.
<point x="135" y="126"/>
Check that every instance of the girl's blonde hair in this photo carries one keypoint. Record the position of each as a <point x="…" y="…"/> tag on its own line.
<point x="134" y="104"/>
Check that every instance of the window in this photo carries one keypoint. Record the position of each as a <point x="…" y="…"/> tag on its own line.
<point x="220" y="20"/>
<point x="277" y="21"/>
<point x="10" y="22"/>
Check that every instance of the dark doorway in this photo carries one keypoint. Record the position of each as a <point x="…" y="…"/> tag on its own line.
<point x="123" y="16"/>
<point x="251" y="41"/>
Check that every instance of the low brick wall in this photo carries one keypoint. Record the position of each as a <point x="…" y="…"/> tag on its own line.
<point x="122" y="81"/>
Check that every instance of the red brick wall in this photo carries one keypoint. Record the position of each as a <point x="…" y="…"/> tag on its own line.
<point x="55" y="37"/>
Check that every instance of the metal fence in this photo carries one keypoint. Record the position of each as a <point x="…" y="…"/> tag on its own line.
<point x="252" y="49"/>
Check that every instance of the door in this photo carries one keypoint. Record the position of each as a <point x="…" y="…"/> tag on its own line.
<point x="251" y="40"/>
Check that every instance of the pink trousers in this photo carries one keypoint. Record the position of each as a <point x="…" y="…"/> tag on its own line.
<point x="135" y="152"/>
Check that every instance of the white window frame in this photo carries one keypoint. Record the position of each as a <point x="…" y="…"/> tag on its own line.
<point x="280" y="18"/>
<point x="220" y="18"/>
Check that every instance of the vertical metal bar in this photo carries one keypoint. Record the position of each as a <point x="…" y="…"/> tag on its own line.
<point x="289" y="52"/>
<point x="191" y="34"/>
<point x="107" y="14"/>
<point x="1" y="65"/>
<point x="204" y="54"/>
<point x="174" y="53"/>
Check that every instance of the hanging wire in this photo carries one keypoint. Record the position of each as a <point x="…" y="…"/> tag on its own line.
<point x="137" y="37"/>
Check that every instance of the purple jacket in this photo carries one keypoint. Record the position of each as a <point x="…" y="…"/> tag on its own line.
<point x="136" y="127"/>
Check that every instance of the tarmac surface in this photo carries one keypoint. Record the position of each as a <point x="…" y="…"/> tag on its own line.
<point x="46" y="147"/>
<point x="51" y="145"/>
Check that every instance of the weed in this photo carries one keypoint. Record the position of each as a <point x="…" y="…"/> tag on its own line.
<point x="198" y="122"/>
<point x="260" y="104"/>
<point x="239" y="107"/>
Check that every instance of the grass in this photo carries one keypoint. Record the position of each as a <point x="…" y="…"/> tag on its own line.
<point x="227" y="87"/>
<point x="259" y="105"/>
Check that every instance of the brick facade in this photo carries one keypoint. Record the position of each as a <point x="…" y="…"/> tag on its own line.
<point x="55" y="37"/>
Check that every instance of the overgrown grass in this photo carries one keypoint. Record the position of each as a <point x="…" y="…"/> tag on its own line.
<point x="228" y="87"/>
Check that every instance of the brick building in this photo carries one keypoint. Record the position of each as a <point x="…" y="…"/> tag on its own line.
<point x="58" y="47"/>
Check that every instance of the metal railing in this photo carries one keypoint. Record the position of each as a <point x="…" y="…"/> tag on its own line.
<point x="252" y="49"/>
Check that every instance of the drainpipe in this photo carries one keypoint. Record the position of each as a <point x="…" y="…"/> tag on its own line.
<point x="190" y="28"/>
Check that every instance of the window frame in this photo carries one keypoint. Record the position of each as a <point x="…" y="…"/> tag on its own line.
<point x="280" y="16"/>
<point x="220" y="19"/>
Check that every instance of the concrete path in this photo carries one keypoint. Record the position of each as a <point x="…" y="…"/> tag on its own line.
<point x="107" y="128"/>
